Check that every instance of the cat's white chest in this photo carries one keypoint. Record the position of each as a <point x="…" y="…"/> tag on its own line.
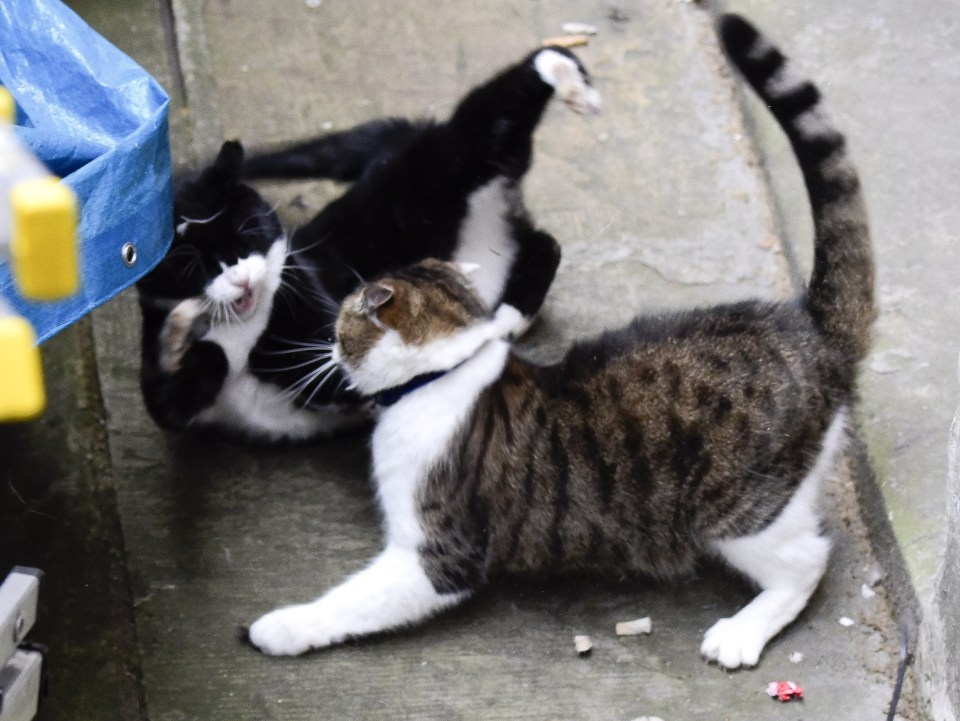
<point x="414" y="435"/>
<point x="485" y="238"/>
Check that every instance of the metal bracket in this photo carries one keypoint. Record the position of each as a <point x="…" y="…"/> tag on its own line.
<point x="19" y="594"/>
<point x="21" y="681"/>
<point x="22" y="665"/>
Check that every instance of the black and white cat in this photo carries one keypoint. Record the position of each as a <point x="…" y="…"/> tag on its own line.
<point x="700" y="433"/>
<point x="239" y="319"/>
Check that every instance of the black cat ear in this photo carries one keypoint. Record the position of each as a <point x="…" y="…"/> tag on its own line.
<point x="376" y="295"/>
<point x="225" y="170"/>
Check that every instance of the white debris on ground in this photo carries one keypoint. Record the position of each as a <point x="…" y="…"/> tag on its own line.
<point x="567" y="41"/>
<point x="635" y="627"/>
<point x="845" y="621"/>
<point x="583" y="645"/>
<point x="796" y="657"/>
<point x="867" y="592"/>
<point x="579" y="29"/>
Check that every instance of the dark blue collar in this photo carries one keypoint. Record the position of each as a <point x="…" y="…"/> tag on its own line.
<point x="389" y="396"/>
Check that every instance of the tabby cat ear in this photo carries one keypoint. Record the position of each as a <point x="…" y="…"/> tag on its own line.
<point x="376" y="295"/>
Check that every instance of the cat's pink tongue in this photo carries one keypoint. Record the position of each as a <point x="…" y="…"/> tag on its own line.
<point x="244" y="304"/>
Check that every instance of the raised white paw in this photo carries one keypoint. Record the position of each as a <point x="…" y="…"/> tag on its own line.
<point x="732" y="644"/>
<point x="568" y="82"/>
<point x="286" y="632"/>
<point x="511" y="322"/>
<point x="185" y="324"/>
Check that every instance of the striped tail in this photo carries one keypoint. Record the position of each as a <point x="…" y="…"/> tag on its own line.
<point x="840" y="294"/>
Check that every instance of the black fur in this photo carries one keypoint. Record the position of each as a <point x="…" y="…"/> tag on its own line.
<point x="412" y="183"/>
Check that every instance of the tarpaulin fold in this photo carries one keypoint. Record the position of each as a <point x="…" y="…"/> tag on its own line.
<point x="98" y="120"/>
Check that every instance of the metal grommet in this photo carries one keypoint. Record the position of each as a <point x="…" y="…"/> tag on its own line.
<point x="18" y="627"/>
<point x="129" y="254"/>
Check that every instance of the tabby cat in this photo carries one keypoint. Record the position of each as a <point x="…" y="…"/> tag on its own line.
<point x="699" y="433"/>
<point x="238" y="321"/>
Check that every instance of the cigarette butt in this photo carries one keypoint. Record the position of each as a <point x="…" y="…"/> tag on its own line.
<point x="568" y="41"/>
<point x="579" y="29"/>
<point x="583" y="645"/>
<point x="634" y="628"/>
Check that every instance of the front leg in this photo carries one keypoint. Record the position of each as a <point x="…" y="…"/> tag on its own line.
<point x="393" y="591"/>
<point x="532" y="273"/>
<point x="186" y="324"/>
<point x="180" y="374"/>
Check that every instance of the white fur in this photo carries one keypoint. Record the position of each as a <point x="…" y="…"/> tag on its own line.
<point x="413" y="434"/>
<point x="175" y="333"/>
<point x="568" y="82"/>
<point x="391" y="362"/>
<point x="245" y="402"/>
<point x="786" y="559"/>
<point x="812" y="123"/>
<point x="262" y="275"/>
<point x="486" y="240"/>
<point x="261" y="409"/>
<point x="393" y="591"/>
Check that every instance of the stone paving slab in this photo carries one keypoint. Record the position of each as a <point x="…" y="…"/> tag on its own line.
<point x="889" y="75"/>
<point x="658" y="202"/>
<point x="894" y="68"/>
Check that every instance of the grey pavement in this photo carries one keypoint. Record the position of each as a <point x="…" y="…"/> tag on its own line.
<point x="678" y="194"/>
<point x="890" y="73"/>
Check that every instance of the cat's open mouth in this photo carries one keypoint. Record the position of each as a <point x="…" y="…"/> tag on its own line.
<point x="244" y="305"/>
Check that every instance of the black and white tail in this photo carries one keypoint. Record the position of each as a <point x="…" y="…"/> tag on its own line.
<point x="840" y="294"/>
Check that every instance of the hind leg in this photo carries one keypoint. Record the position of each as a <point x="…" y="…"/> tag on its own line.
<point x="787" y="563"/>
<point x="346" y="156"/>
<point x="786" y="560"/>
<point x="496" y="120"/>
<point x="568" y="80"/>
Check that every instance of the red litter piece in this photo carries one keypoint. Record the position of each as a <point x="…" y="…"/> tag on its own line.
<point x="784" y="690"/>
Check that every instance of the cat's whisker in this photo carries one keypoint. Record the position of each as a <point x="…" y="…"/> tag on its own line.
<point x="186" y="222"/>
<point x="308" y="345"/>
<point x="301" y="385"/>
<point x="306" y="363"/>
<point x="356" y="274"/>
<point x="287" y="297"/>
<point x="308" y="293"/>
<point x="189" y="268"/>
<point x="331" y="371"/>
<point x="242" y="228"/>
<point x="183" y="250"/>
<point x="306" y="248"/>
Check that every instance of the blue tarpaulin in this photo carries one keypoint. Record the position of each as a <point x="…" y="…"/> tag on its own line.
<point x="99" y="121"/>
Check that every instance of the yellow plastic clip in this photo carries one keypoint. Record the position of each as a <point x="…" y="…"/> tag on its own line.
<point x="8" y="107"/>
<point x="22" y="395"/>
<point x="44" y="242"/>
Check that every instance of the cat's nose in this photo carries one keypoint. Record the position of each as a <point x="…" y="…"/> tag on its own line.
<point x="239" y="277"/>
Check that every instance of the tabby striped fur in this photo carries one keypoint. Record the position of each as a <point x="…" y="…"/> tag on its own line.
<point x="699" y="433"/>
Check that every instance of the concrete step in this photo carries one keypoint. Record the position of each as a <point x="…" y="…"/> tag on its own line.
<point x="660" y="202"/>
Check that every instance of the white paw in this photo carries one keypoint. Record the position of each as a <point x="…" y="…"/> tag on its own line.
<point x="185" y="323"/>
<point x="568" y="82"/>
<point x="731" y="644"/>
<point x="286" y="632"/>
<point x="510" y="322"/>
